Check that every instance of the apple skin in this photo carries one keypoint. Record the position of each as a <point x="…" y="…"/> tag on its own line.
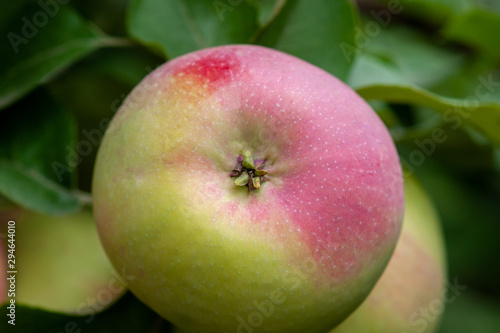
<point x="413" y="280"/>
<point x="297" y="255"/>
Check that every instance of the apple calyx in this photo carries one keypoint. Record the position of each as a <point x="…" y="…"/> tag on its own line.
<point x="249" y="172"/>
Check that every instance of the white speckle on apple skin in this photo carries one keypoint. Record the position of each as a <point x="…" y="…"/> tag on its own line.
<point x="166" y="206"/>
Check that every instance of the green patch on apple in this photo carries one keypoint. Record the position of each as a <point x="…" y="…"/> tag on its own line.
<point x="410" y="295"/>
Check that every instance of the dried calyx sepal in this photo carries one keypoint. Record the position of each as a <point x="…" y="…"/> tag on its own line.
<point x="249" y="173"/>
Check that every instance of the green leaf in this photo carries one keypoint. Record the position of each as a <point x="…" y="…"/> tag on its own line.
<point x="176" y="27"/>
<point x="11" y="9"/>
<point x="32" y="190"/>
<point x="472" y="311"/>
<point x="40" y="43"/>
<point x="94" y="89"/>
<point x="312" y="30"/>
<point x="472" y="22"/>
<point x="316" y="31"/>
<point x="434" y="11"/>
<point x="466" y="80"/>
<point x="369" y="70"/>
<point x="37" y="156"/>
<point x="417" y="59"/>
<point x="463" y="195"/>
<point x="108" y="15"/>
<point x="477" y="28"/>
<point x="483" y="117"/>
<point x="374" y="79"/>
<point x="128" y="315"/>
<point x="267" y="10"/>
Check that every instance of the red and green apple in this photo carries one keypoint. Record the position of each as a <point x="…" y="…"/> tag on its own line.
<point x="248" y="191"/>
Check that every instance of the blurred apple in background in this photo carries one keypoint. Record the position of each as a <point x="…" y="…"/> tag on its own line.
<point x="248" y="190"/>
<point x="408" y="298"/>
<point x="61" y="264"/>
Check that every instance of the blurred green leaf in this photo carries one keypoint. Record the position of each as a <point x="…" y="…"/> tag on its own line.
<point x="94" y="89"/>
<point x="32" y="190"/>
<point x="301" y="28"/>
<point x="474" y="23"/>
<point x="11" y="9"/>
<point x="369" y="70"/>
<point x="433" y="11"/>
<point x="416" y="57"/>
<point x="477" y="28"/>
<point x="471" y="313"/>
<point x="176" y="27"/>
<point x="447" y="5"/>
<point x="108" y="15"/>
<point x="37" y="156"/>
<point x="464" y="81"/>
<point x="467" y="204"/>
<point x="267" y="10"/>
<point x="374" y="79"/>
<point x="127" y="315"/>
<point x="315" y="31"/>
<point x="36" y="132"/>
<point x="40" y="43"/>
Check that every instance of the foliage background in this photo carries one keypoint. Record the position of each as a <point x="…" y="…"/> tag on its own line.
<point x="423" y="65"/>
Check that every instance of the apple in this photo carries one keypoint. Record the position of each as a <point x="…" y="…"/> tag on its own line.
<point x="408" y="296"/>
<point x="248" y="191"/>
